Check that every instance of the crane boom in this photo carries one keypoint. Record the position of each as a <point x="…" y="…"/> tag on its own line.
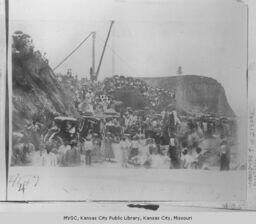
<point x="103" y="51"/>
<point x="93" y="51"/>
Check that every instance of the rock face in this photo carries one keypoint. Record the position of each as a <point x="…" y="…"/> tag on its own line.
<point x="195" y="94"/>
<point x="37" y="94"/>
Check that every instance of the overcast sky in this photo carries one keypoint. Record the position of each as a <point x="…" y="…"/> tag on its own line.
<point x="149" y="38"/>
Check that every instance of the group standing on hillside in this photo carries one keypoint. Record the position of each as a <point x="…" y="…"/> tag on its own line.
<point x="134" y="138"/>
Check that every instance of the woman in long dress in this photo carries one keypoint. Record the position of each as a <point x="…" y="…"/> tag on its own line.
<point x="174" y="153"/>
<point x="224" y="156"/>
<point x="134" y="146"/>
<point x="125" y="146"/>
<point x="96" y="153"/>
<point x="142" y="159"/>
<point x="108" y="149"/>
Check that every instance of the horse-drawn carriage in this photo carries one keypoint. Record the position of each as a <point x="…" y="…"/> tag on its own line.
<point x="66" y="128"/>
<point x="70" y="128"/>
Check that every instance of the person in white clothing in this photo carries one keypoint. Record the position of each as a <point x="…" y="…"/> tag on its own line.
<point x="125" y="147"/>
<point x="62" y="153"/>
<point x="48" y="158"/>
<point x="186" y="159"/>
<point x="88" y="146"/>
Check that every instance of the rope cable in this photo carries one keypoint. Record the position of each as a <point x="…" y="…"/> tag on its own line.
<point x="72" y="52"/>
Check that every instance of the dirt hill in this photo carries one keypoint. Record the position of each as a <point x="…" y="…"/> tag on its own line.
<point x="195" y="93"/>
<point x="37" y="95"/>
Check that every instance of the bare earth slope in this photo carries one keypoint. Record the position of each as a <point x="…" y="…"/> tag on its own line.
<point x="195" y="93"/>
<point x="36" y="92"/>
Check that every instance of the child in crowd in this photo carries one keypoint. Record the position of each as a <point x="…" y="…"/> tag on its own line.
<point x="186" y="159"/>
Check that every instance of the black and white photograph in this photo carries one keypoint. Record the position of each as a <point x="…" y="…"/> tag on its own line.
<point x="121" y="100"/>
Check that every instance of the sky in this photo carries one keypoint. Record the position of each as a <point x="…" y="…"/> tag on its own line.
<point x="150" y="38"/>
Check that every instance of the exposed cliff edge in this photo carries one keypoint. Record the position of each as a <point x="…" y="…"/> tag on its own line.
<point x="37" y="95"/>
<point x="195" y="94"/>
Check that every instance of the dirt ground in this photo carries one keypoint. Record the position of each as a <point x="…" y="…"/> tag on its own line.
<point x="121" y="184"/>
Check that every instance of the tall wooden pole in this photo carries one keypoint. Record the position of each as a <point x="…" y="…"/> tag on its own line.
<point x="104" y="48"/>
<point x="93" y="52"/>
<point x="113" y="55"/>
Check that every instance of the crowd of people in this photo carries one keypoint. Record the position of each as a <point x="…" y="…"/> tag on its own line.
<point x="154" y="96"/>
<point x="153" y="143"/>
<point x="87" y="95"/>
<point x="129" y="138"/>
<point x="99" y="96"/>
